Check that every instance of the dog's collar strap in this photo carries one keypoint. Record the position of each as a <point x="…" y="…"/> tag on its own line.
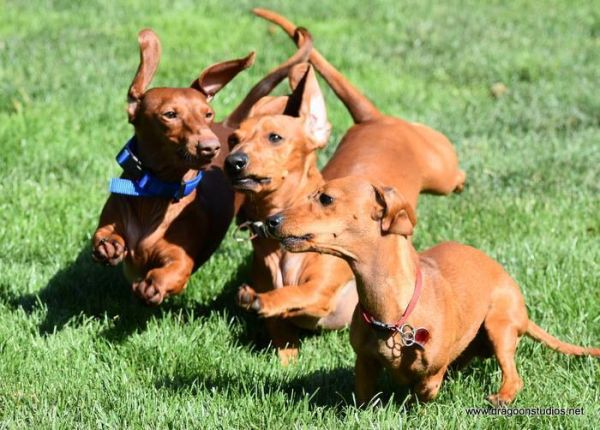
<point x="409" y="335"/>
<point x="144" y="183"/>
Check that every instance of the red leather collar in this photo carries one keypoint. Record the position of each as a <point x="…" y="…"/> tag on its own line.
<point x="410" y="335"/>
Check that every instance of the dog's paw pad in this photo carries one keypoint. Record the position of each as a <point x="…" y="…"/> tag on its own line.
<point x="148" y="292"/>
<point x="256" y="305"/>
<point x="248" y="299"/>
<point x="108" y="251"/>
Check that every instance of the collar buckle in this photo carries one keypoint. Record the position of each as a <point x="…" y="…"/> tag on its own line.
<point x="129" y="162"/>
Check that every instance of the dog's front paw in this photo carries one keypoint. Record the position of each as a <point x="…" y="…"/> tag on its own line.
<point x="149" y="291"/>
<point x="109" y="250"/>
<point x="248" y="299"/>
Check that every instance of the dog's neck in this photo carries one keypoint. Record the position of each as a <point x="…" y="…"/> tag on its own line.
<point x="297" y="186"/>
<point x="386" y="277"/>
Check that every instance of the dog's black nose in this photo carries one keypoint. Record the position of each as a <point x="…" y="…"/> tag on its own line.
<point x="274" y="221"/>
<point x="236" y="162"/>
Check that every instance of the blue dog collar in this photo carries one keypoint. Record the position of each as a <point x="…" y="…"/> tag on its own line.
<point x="143" y="183"/>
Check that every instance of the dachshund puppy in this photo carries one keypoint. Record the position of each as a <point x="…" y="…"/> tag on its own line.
<point x="417" y="312"/>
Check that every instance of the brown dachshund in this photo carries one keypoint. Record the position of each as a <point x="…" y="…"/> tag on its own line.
<point x="273" y="161"/>
<point x="417" y="313"/>
<point x="173" y="205"/>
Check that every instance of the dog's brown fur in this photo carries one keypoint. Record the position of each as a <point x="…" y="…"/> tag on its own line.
<point x="318" y="290"/>
<point x="161" y="242"/>
<point x="469" y="304"/>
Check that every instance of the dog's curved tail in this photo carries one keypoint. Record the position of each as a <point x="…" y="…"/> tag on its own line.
<point x="537" y="333"/>
<point x="267" y="84"/>
<point x="361" y="109"/>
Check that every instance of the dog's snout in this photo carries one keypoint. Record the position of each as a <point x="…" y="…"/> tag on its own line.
<point x="235" y="163"/>
<point x="209" y="148"/>
<point x="274" y="221"/>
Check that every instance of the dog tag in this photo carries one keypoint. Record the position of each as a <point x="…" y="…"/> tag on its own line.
<point x="422" y="336"/>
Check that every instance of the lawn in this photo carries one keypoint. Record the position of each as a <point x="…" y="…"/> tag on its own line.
<point x="77" y="351"/>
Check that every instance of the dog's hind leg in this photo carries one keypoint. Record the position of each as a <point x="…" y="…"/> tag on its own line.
<point x="505" y="323"/>
<point x="461" y="178"/>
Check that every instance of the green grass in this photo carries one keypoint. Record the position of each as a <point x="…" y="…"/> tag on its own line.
<point x="76" y="351"/>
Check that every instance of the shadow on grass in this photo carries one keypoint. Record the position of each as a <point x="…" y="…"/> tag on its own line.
<point x="332" y="389"/>
<point x="324" y="388"/>
<point x="85" y="289"/>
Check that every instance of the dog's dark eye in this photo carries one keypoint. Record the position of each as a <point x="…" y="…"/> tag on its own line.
<point x="208" y="115"/>
<point x="170" y="114"/>
<point x="275" y="138"/>
<point x="325" y="199"/>
<point x="233" y="140"/>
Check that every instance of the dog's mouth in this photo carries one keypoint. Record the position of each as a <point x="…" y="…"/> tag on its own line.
<point x="194" y="161"/>
<point x="296" y="243"/>
<point x="250" y="182"/>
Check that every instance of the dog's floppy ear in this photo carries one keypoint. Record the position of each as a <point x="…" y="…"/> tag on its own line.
<point x="149" y="59"/>
<point x="215" y="77"/>
<point x="306" y="101"/>
<point x="395" y="213"/>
